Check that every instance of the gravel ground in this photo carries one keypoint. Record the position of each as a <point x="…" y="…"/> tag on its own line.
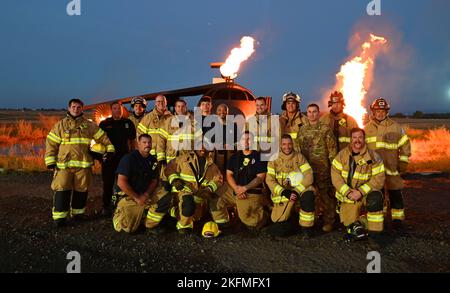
<point x="30" y="244"/>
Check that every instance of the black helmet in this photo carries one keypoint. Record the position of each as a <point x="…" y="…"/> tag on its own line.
<point x="138" y="100"/>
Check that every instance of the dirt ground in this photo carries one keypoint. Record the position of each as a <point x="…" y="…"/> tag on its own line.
<point x="30" y="244"/>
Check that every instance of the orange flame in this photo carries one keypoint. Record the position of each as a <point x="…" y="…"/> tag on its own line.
<point x="231" y="66"/>
<point x="355" y="78"/>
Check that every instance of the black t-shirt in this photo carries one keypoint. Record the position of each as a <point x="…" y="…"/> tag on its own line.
<point x="119" y="132"/>
<point x="245" y="168"/>
<point x="139" y="170"/>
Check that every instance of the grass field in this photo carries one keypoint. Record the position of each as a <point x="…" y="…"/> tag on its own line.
<point x="430" y="140"/>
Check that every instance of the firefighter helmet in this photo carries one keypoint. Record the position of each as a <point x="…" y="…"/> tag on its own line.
<point x="336" y="97"/>
<point x="98" y="148"/>
<point x="293" y="96"/>
<point x="380" y="104"/>
<point x="210" y="230"/>
<point x="138" y="100"/>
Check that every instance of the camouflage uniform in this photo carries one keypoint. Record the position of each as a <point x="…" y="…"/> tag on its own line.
<point x="340" y="124"/>
<point x="318" y="145"/>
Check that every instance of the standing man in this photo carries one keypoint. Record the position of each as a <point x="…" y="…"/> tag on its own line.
<point x="152" y="122"/>
<point x="138" y="106"/>
<point x="137" y="179"/>
<point x="358" y="177"/>
<point x="260" y="125"/>
<point x="290" y="179"/>
<point x="67" y="153"/>
<point x="319" y="147"/>
<point x="205" y="108"/>
<point x="339" y="122"/>
<point x="196" y="179"/>
<point x="391" y="142"/>
<point x="223" y="150"/>
<point x="291" y="119"/>
<point x="245" y="176"/>
<point x="122" y="134"/>
<point x="175" y="136"/>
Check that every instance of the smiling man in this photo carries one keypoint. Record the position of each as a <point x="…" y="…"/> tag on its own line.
<point x="137" y="179"/>
<point x="358" y="176"/>
<point x="390" y="141"/>
<point x="67" y="154"/>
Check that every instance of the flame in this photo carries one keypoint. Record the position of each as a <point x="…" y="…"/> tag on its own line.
<point x="101" y="113"/>
<point x="231" y="66"/>
<point x="355" y="77"/>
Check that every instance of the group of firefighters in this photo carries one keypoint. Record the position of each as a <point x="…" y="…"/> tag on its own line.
<point x="326" y="167"/>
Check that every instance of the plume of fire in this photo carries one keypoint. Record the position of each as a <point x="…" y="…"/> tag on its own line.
<point x="238" y="55"/>
<point x="355" y="77"/>
<point x="103" y="111"/>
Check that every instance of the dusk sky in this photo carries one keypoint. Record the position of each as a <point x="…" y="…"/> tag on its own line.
<point x="119" y="48"/>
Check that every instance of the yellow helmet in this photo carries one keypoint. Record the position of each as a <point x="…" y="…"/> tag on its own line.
<point x="210" y="230"/>
<point x="98" y="148"/>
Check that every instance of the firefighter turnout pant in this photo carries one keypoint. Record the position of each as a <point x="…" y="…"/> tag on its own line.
<point x="350" y="211"/>
<point x="250" y="210"/>
<point x="395" y="198"/>
<point x="128" y="215"/>
<point x="190" y="208"/>
<point x="70" y="188"/>
<point x="283" y="208"/>
<point x="160" y="206"/>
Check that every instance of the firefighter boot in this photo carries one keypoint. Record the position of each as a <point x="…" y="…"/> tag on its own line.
<point x="355" y="232"/>
<point x="308" y="232"/>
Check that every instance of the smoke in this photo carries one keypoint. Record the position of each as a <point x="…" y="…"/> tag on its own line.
<point x="388" y="74"/>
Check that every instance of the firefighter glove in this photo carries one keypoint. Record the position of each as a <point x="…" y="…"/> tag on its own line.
<point x="287" y="193"/>
<point x="178" y="184"/>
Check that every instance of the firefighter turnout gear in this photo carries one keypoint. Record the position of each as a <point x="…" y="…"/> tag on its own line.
<point x="292" y="126"/>
<point x="98" y="148"/>
<point x="151" y="125"/>
<point x="318" y="145"/>
<point x="201" y="178"/>
<point x="365" y="173"/>
<point x="175" y="137"/>
<point x="291" y="174"/>
<point x="341" y="124"/>
<point x="210" y="230"/>
<point x="391" y="142"/>
<point x="68" y="149"/>
<point x="260" y="125"/>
